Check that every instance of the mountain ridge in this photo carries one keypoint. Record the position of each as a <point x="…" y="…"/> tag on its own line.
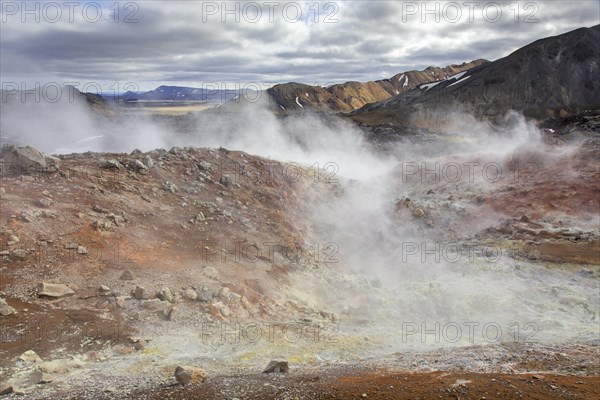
<point x="547" y="78"/>
<point x="353" y="95"/>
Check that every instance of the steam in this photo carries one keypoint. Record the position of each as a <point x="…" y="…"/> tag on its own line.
<point x="375" y="279"/>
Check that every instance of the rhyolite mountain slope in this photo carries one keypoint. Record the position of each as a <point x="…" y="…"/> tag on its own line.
<point x="353" y="95"/>
<point x="554" y="76"/>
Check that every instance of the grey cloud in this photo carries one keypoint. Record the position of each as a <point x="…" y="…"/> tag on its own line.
<point x="172" y="43"/>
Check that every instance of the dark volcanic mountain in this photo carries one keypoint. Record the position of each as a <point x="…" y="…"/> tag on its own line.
<point x="353" y="95"/>
<point x="557" y="75"/>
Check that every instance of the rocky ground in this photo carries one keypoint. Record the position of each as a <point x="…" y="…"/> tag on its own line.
<point x="116" y="268"/>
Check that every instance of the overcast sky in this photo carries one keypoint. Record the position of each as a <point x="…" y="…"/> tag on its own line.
<point x="195" y="43"/>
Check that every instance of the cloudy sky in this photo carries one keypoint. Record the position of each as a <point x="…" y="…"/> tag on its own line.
<point x="198" y="43"/>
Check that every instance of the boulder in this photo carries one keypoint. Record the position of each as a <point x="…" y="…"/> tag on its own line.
<point x="165" y="295"/>
<point x="121" y="301"/>
<point x="137" y="166"/>
<point x="55" y="290"/>
<point x="148" y="162"/>
<point x="44" y="202"/>
<point x="40" y="377"/>
<point x="211" y="272"/>
<point x="127" y="275"/>
<point x="277" y="366"/>
<point x="6" y="388"/>
<point x="170" y="312"/>
<point x="418" y="213"/>
<point x="225" y="180"/>
<point x="190" y="294"/>
<point x="111" y="164"/>
<point x="59" y="366"/>
<point x="19" y="254"/>
<point x="5" y="309"/>
<point x="155" y="305"/>
<point x="30" y="356"/>
<point x="28" y="159"/>
<point x="205" y="294"/>
<point x="187" y="374"/>
<point x="140" y="293"/>
<point x="170" y="187"/>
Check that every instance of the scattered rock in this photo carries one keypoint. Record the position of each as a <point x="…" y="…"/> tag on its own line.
<point x="137" y="166"/>
<point x="222" y="309"/>
<point x="81" y="250"/>
<point x="155" y="305"/>
<point x="139" y="345"/>
<point x="30" y="356"/>
<point x="111" y="164"/>
<point x="189" y="374"/>
<point x="104" y="288"/>
<point x="205" y="166"/>
<point x="140" y="293"/>
<point x="198" y="218"/>
<point x="5" y="309"/>
<point x="228" y="296"/>
<point x="165" y="295"/>
<point x="117" y="219"/>
<point x="170" y="187"/>
<point x="225" y="180"/>
<point x="54" y="290"/>
<point x="148" y="162"/>
<point x="121" y="301"/>
<point x="44" y="202"/>
<point x="418" y="213"/>
<point x="28" y="159"/>
<point x="40" y="377"/>
<point x="211" y="272"/>
<point x="12" y="240"/>
<point x="205" y="294"/>
<point x="277" y="366"/>
<point x="30" y="216"/>
<point x="102" y="225"/>
<point x="190" y="294"/>
<point x="170" y="312"/>
<point x="19" y="254"/>
<point x="127" y="275"/>
<point x="6" y="388"/>
<point x="99" y="209"/>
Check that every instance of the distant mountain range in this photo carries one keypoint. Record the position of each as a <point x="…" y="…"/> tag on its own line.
<point x="555" y="76"/>
<point x="173" y="93"/>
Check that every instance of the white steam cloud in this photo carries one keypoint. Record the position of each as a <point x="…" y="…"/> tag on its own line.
<point x="375" y="234"/>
